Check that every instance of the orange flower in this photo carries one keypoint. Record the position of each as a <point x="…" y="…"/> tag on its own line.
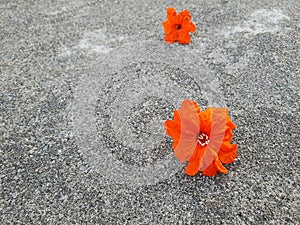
<point x="202" y="138"/>
<point x="177" y="27"/>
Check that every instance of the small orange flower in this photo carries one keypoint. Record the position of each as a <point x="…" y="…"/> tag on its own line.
<point x="178" y="26"/>
<point x="202" y="138"/>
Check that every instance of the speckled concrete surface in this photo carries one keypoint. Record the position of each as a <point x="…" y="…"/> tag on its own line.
<point x="86" y="85"/>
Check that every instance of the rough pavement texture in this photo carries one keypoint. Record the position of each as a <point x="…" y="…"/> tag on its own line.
<point x="86" y="85"/>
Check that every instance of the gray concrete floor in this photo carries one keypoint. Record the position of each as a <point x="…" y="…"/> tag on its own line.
<point x="86" y="85"/>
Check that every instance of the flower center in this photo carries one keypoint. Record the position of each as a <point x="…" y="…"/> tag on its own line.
<point x="177" y="26"/>
<point x="202" y="139"/>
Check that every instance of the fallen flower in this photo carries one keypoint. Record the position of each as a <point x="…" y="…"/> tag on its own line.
<point x="178" y="26"/>
<point x="202" y="138"/>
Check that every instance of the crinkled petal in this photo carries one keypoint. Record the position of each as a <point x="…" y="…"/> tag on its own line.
<point x="220" y="166"/>
<point x="211" y="170"/>
<point x="168" y="27"/>
<point x="228" y="135"/>
<point x="172" y="15"/>
<point x="184" y="37"/>
<point x="215" y="166"/>
<point x="192" y="27"/>
<point x="208" y="157"/>
<point x="172" y="36"/>
<point x="194" y="162"/>
<point x="184" y="150"/>
<point x="173" y="130"/>
<point x="189" y="113"/>
<point x="219" y="119"/>
<point x="230" y="124"/>
<point x="188" y="118"/>
<point x="228" y="153"/>
<point x="184" y="16"/>
<point x="188" y="26"/>
<point x="213" y="124"/>
<point x="205" y="121"/>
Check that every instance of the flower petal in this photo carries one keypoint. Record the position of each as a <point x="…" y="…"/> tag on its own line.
<point x="205" y="121"/>
<point x="215" y="166"/>
<point x="184" y="149"/>
<point x="220" y="166"/>
<point x="192" y="27"/>
<point x="184" y="16"/>
<point x="189" y="113"/>
<point x="194" y="162"/>
<point x="228" y="153"/>
<point x="211" y="170"/>
<point x="184" y="37"/>
<point x="188" y="26"/>
<point x="172" y="36"/>
<point x="218" y="127"/>
<point x="173" y="130"/>
<point x="171" y="15"/>
<point x="187" y="117"/>
<point x="168" y="27"/>
<point x="228" y="135"/>
<point x="229" y="123"/>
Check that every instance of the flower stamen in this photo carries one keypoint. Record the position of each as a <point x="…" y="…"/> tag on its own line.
<point x="177" y="26"/>
<point x="202" y="139"/>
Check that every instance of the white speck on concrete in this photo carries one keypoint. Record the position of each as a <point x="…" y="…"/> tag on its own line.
<point x="273" y="16"/>
<point x="260" y="21"/>
<point x="56" y="12"/>
<point x="63" y="197"/>
<point x="86" y="44"/>
<point x="99" y="42"/>
<point x="65" y="51"/>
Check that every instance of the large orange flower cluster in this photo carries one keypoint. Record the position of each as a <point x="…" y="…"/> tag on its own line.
<point x="178" y="26"/>
<point x="203" y="138"/>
